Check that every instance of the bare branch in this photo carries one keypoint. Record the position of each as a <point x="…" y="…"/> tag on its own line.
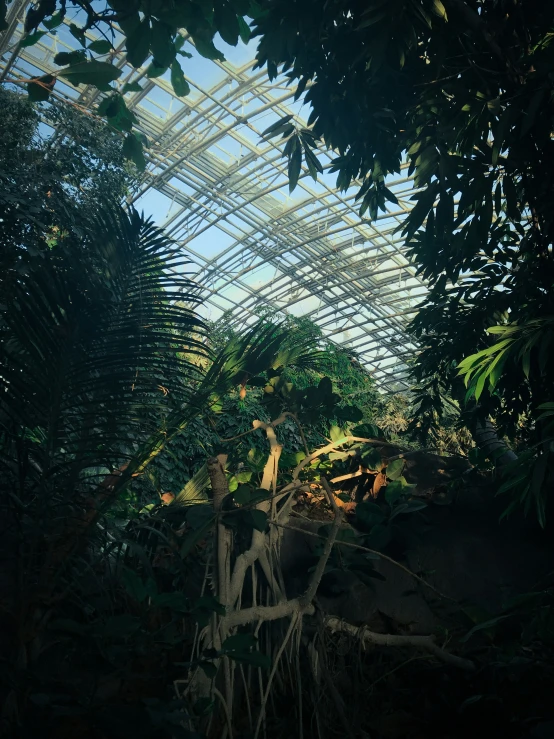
<point x="397" y="640"/>
<point x="310" y="593"/>
<point x="267" y="613"/>
<point x="258" y="542"/>
<point x="216" y="471"/>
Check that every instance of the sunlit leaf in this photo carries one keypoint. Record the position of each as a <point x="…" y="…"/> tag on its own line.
<point x="100" y="46"/>
<point x="395" y="468"/>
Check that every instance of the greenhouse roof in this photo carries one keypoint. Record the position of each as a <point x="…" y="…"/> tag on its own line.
<point x="221" y="191"/>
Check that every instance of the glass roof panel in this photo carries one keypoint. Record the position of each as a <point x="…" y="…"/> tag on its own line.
<point x="222" y="193"/>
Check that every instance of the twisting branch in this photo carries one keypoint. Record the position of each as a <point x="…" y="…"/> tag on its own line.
<point x="231" y="584"/>
<point x="216" y="472"/>
<point x="330" y="448"/>
<point x="238" y="436"/>
<point x="285" y="608"/>
<point x="397" y="640"/>
<point x="266" y="613"/>
<point x="310" y="593"/>
<point x="258" y="541"/>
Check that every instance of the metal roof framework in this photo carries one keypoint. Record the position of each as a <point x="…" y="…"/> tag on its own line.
<point x="221" y="191"/>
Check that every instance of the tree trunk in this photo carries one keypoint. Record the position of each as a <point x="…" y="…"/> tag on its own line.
<point x="486" y="438"/>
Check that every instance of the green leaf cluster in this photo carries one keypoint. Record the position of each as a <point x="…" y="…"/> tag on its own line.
<point x="393" y="92"/>
<point x="299" y="143"/>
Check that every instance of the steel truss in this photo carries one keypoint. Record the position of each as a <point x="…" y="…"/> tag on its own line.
<point x="221" y="191"/>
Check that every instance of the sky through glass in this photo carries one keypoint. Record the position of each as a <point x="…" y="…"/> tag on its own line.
<point x="221" y="191"/>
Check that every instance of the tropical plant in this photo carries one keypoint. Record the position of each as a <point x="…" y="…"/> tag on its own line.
<point x="521" y="350"/>
<point x="90" y="339"/>
<point x="461" y="91"/>
<point x="518" y="344"/>
<point x="252" y="503"/>
<point x="349" y="377"/>
<point x="91" y="343"/>
<point x="306" y="358"/>
<point x="102" y="362"/>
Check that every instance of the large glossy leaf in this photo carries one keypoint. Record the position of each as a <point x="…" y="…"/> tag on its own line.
<point x="131" y="87"/>
<point x="163" y="48"/>
<point x="40" y="89"/>
<point x="69" y="57"/>
<point x="32" y="39"/>
<point x="132" y="149"/>
<point x="205" y="47"/>
<point x="155" y="70"/>
<point x="100" y="46"/>
<point x="55" y="21"/>
<point x="138" y="43"/>
<point x="92" y="73"/>
<point x="395" y="469"/>
<point x="369" y="513"/>
<point x="226" y="22"/>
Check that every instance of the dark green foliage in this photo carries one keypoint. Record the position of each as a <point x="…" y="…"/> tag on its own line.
<point x="303" y="362"/>
<point x="103" y="362"/>
<point x="463" y="90"/>
<point x="47" y="183"/>
<point x="300" y="143"/>
<point x="441" y="109"/>
<point x="341" y="365"/>
<point x="520" y="351"/>
<point x="90" y="338"/>
<point x="92" y="342"/>
<point x="180" y="85"/>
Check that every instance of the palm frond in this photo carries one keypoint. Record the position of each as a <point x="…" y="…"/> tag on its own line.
<point x="266" y="346"/>
<point x="195" y="489"/>
<point x="93" y="342"/>
<point x="263" y="347"/>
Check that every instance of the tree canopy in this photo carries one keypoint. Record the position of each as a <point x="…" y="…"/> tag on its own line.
<point x="458" y="92"/>
<point x="56" y="163"/>
<point x="461" y="91"/>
